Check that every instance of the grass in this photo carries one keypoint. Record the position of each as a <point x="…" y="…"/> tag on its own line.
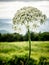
<point x="38" y="48"/>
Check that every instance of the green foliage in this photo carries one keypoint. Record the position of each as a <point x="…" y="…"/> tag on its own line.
<point x="43" y="61"/>
<point x="40" y="48"/>
<point x="16" y="53"/>
<point x="18" y="60"/>
<point x="17" y="37"/>
<point x="15" y="60"/>
<point x="44" y="36"/>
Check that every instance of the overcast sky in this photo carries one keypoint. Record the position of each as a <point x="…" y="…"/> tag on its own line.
<point x="8" y="9"/>
<point x="24" y="0"/>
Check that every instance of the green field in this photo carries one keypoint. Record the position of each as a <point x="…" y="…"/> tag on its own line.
<point x="9" y="49"/>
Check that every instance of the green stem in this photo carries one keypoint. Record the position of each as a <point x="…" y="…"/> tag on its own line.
<point x="29" y="39"/>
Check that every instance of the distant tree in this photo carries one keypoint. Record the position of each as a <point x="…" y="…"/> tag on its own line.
<point x="32" y="36"/>
<point x="45" y="36"/>
<point x="30" y="17"/>
<point x="0" y="37"/>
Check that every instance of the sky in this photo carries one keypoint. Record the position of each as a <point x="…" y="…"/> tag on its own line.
<point x="8" y="9"/>
<point x="24" y="0"/>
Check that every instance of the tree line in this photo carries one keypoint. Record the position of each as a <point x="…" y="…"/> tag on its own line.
<point x="17" y="37"/>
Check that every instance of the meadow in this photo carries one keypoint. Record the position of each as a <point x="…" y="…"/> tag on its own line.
<point x="20" y="49"/>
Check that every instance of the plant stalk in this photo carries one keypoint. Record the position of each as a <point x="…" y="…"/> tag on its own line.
<point x="29" y="39"/>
